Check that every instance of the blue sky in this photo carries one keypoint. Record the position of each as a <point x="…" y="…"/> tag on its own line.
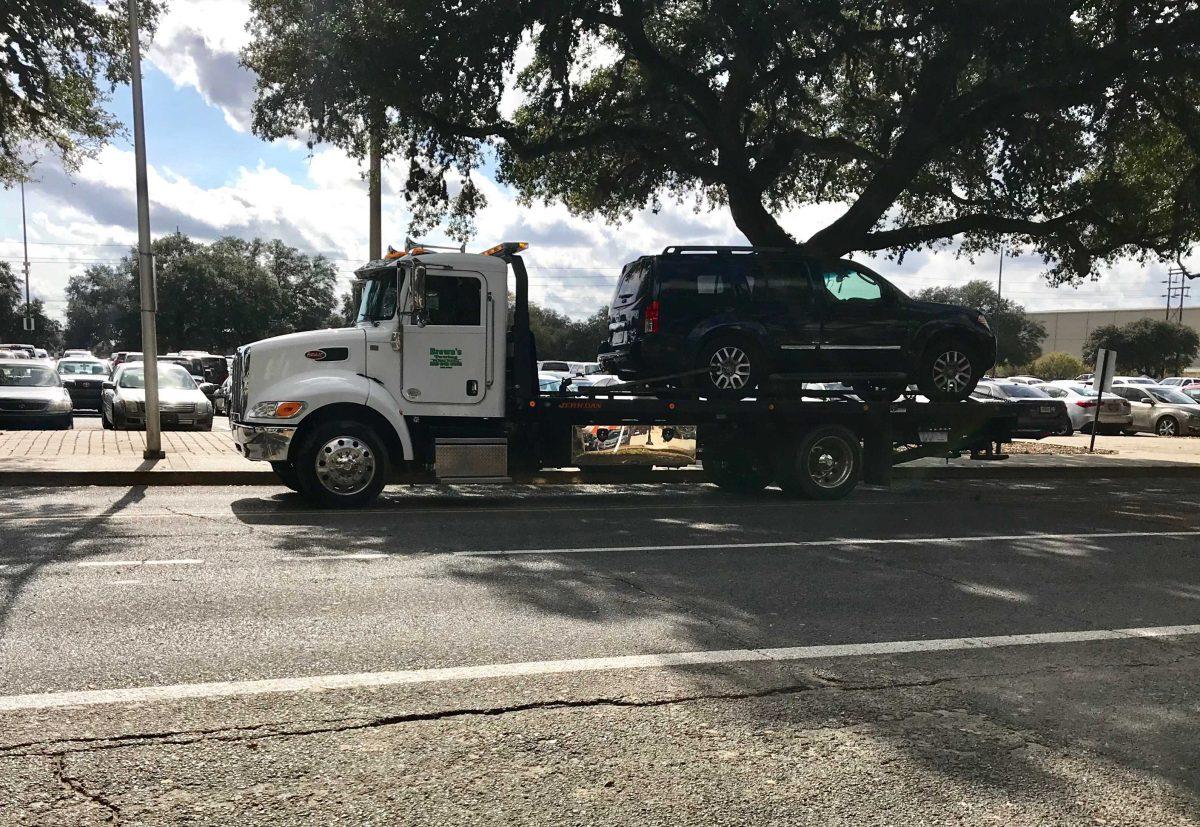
<point x="209" y="176"/>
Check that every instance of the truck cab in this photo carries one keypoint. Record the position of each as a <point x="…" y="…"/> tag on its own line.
<point x="422" y="368"/>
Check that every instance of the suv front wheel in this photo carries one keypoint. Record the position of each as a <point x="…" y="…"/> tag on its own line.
<point x="948" y="371"/>
<point x="732" y="368"/>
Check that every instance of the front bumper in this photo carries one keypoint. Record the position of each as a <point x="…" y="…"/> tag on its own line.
<point x="269" y="443"/>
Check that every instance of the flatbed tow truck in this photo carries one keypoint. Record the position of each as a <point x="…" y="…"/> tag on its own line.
<point x="435" y="385"/>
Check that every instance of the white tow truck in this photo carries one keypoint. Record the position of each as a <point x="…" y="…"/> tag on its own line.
<point x="434" y="383"/>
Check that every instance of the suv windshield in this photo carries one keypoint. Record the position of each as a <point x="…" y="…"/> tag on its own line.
<point x="378" y="301"/>
<point x="31" y="376"/>
<point x="82" y="368"/>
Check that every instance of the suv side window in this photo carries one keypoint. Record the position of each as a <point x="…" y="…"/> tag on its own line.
<point x="786" y="281"/>
<point x="848" y="285"/>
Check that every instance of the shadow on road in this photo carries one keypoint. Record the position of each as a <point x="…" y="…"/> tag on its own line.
<point x="847" y="592"/>
<point x="31" y="544"/>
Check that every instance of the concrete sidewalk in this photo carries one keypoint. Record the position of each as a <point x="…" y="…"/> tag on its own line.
<point x="95" y="457"/>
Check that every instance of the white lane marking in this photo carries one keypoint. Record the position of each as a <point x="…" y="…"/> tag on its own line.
<point x="364" y="556"/>
<point x="367" y="680"/>
<point x="836" y="542"/>
<point x="115" y="563"/>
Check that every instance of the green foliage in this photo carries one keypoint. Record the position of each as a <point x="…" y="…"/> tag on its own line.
<point x="1151" y="346"/>
<point x="58" y="62"/>
<point x="1051" y="366"/>
<point x="560" y="337"/>
<point x="1018" y="338"/>
<point x="210" y="296"/>
<point x="1070" y="127"/>
<point x="46" y="333"/>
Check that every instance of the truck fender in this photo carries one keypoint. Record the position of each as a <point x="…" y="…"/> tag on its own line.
<point x="381" y="400"/>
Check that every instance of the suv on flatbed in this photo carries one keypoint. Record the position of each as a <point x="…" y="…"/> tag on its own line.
<point x="730" y="317"/>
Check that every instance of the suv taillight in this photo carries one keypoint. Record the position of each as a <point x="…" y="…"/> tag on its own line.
<point x="652" y="317"/>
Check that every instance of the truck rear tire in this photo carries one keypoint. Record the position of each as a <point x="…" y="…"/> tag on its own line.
<point x="826" y="464"/>
<point x="341" y="463"/>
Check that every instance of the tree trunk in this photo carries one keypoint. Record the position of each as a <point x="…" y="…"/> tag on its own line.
<point x="753" y="219"/>
<point x="375" y="195"/>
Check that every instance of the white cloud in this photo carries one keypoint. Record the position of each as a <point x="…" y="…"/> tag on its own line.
<point x="197" y="45"/>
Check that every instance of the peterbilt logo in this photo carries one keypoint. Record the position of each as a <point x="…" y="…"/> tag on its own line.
<point x="328" y="354"/>
<point x="317" y="355"/>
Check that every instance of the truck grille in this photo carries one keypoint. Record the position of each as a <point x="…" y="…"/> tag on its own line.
<point x="236" y="393"/>
<point x="181" y="407"/>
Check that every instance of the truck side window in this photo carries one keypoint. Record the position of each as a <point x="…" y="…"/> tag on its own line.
<point x="453" y="300"/>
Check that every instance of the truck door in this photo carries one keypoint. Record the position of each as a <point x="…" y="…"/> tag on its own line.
<point x="861" y="325"/>
<point x="445" y="354"/>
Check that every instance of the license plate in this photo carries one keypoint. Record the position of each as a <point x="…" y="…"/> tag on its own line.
<point x="620" y="337"/>
<point x="1046" y="409"/>
<point x="1112" y="407"/>
<point x="185" y="421"/>
<point x="934" y="436"/>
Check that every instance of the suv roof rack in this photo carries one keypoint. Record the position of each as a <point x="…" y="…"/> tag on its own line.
<point x="674" y="250"/>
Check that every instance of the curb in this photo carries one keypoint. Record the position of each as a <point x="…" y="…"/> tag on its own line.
<point x="995" y="471"/>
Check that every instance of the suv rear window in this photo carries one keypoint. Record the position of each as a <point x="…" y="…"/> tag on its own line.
<point x="631" y="284"/>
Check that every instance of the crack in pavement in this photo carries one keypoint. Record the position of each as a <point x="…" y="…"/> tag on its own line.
<point x="257" y="732"/>
<point x="76" y="786"/>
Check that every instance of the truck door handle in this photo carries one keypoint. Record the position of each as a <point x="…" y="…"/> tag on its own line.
<point x="472" y="387"/>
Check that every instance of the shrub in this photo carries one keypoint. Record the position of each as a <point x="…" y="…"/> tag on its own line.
<point x="1053" y="366"/>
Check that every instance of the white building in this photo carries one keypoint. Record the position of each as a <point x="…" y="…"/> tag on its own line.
<point x="1067" y="330"/>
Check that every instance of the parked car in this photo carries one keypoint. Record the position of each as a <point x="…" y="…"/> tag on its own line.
<point x="1182" y="381"/>
<point x="1023" y="380"/>
<point x="724" y="319"/>
<point x="1161" y="409"/>
<point x="1085" y="378"/>
<point x="1038" y="414"/>
<point x="32" y="395"/>
<point x="195" y="367"/>
<point x="83" y="378"/>
<point x="220" y="398"/>
<point x="550" y="382"/>
<point x="122" y="356"/>
<point x="181" y="404"/>
<point x="1192" y="392"/>
<point x="68" y="354"/>
<point x="1080" y="399"/>
<point x="1134" y="380"/>
<point x="557" y="368"/>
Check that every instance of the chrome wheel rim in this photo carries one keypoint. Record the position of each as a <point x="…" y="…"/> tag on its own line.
<point x="729" y="368"/>
<point x="345" y="465"/>
<point x="952" y="372"/>
<point x="1166" y="427"/>
<point x="830" y="462"/>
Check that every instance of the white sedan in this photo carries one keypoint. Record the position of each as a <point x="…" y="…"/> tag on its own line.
<point x="1115" y="412"/>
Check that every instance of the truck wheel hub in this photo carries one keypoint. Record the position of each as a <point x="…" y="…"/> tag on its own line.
<point x="345" y="465"/>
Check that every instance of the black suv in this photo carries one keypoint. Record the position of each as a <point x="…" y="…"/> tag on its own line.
<point x="730" y="317"/>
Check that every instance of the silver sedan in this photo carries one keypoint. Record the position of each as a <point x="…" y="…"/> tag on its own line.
<point x="1161" y="409"/>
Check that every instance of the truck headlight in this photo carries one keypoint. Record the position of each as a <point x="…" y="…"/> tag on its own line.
<point x="277" y="410"/>
<point x="60" y="405"/>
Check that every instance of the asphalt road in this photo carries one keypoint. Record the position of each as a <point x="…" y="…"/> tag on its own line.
<point x="602" y="655"/>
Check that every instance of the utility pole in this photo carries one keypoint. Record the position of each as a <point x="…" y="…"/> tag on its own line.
<point x="1177" y="288"/>
<point x="149" y="297"/>
<point x="375" y="193"/>
<point x="999" y="296"/>
<point x="27" y="325"/>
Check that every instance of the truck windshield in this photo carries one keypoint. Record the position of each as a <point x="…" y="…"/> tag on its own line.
<point x="378" y="301"/>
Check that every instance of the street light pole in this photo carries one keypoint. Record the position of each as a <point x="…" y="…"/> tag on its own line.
<point x="28" y="325"/>
<point x="145" y="255"/>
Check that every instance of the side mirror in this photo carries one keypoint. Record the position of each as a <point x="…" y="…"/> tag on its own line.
<point x="417" y="292"/>
<point x="108" y="386"/>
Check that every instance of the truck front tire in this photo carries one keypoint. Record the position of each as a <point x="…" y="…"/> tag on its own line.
<point x="341" y="463"/>
<point x="287" y="475"/>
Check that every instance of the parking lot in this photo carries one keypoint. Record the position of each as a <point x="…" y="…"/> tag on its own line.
<point x="945" y="652"/>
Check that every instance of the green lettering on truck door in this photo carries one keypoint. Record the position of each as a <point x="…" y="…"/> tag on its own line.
<point x="448" y="357"/>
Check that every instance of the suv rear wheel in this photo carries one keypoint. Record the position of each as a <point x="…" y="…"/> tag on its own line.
<point x="732" y="368"/>
<point x="948" y="371"/>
